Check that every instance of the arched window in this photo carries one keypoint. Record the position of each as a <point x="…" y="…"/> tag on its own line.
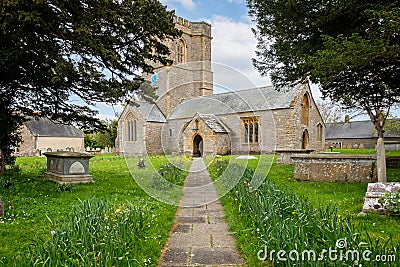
<point x="305" y="109"/>
<point x="304" y="141"/>
<point x="131" y="128"/>
<point x="320" y="132"/>
<point x="250" y="130"/>
<point x="181" y="51"/>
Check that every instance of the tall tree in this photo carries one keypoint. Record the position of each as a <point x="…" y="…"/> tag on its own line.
<point x="330" y="112"/>
<point x="53" y="51"/>
<point x="350" y="48"/>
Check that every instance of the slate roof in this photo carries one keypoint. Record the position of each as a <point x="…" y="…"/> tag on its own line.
<point x="151" y="112"/>
<point x="353" y="130"/>
<point x="46" y="127"/>
<point x="214" y="123"/>
<point x="263" y="98"/>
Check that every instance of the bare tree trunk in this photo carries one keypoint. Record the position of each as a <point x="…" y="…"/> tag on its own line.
<point x="379" y="119"/>
<point x="381" y="161"/>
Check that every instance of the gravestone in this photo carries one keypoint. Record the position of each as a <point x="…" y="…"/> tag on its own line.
<point x="334" y="167"/>
<point x="374" y="192"/>
<point x="68" y="167"/>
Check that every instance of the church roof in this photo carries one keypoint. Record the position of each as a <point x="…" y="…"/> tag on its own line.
<point x="353" y="130"/>
<point x="45" y="127"/>
<point x="263" y="98"/>
<point x="214" y="123"/>
<point x="151" y="112"/>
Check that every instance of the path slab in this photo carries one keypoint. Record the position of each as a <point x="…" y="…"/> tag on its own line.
<point x="201" y="236"/>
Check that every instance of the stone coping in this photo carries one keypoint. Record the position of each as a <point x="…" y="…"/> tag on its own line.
<point x="69" y="179"/>
<point x="333" y="156"/>
<point x="293" y="150"/>
<point x="68" y="154"/>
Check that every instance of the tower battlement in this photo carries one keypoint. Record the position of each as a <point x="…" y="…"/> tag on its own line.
<point x="182" y="21"/>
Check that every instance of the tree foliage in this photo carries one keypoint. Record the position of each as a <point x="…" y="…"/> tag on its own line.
<point x="104" y="137"/>
<point x="55" y="51"/>
<point x="351" y="48"/>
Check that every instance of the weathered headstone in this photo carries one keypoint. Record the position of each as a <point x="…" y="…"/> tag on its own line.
<point x="375" y="191"/>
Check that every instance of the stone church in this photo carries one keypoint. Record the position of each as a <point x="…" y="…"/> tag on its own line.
<point x="188" y="118"/>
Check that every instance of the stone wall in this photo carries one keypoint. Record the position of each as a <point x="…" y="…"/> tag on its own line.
<point x="153" y="138"/>
<point x="335" y="168"/>
<point x="122" y="145"/>
<point x="393" y="162"/>
<point x="27" y="147"/>
<point x="367" y="143"/>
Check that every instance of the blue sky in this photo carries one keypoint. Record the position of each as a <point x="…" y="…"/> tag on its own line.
<point x="196" y="10"/>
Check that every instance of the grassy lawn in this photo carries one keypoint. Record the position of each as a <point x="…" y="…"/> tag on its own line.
<point x="347" y="198"/>
<point x="362" y="151"/>
<point x="35" y="208"/>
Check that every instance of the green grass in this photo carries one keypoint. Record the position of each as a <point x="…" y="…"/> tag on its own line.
<point x="35" y="206"/>
<point x="362" y="151"/>
<point x="347" y="198"/>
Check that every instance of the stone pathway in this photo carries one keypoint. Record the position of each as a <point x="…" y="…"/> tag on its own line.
<point x="200" y="236"/>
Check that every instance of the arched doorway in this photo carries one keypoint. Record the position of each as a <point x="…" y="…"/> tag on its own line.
<point x="197" y="146"/>
<point x="304" y="140"/>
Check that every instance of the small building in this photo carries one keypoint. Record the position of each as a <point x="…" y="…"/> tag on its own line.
<point x="358" y="134"/>
<point x="41" y="135"/>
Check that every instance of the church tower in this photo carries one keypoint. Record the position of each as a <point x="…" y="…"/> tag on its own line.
<point x="190" y="74"/>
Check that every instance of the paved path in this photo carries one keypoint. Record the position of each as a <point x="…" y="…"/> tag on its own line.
<point x="200" y="236"/>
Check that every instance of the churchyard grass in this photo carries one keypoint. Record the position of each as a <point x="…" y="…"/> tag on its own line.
<point x="362" y="151"/>
<point x="106" y="223"/>
<point x="288" y="214"/>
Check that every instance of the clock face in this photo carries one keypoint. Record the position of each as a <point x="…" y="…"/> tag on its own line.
<point x="154" y="79"/>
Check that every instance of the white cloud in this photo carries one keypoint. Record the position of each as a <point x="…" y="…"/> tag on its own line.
<point x="187" y="4"/>
<point x="234" y="45"/>
<point x="233" y="48"/>
<point x="235" y="1"/>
